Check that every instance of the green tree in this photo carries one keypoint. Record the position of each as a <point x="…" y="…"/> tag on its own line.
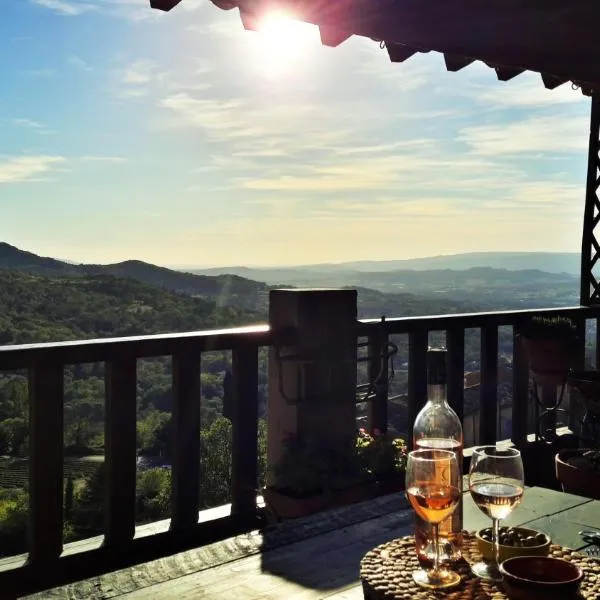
<point x="215" y="463"/>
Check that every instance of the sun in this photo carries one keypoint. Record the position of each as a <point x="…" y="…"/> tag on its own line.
<point x="282" y="43"/>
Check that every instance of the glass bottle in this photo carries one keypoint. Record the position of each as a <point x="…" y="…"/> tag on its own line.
<point x="438" y="426"/>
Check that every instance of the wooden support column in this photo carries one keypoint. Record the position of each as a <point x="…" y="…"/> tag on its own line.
<point x="312" y="375"/>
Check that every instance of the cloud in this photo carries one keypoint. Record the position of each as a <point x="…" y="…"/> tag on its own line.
<point x="526" y="91"/>
<point x="104" y="159"/>
<point x="79" y="63"/>
<point x="29" y="123"/>
<point x="549" y="134"/>
<point x="27" y="168"/>
<point x="69" y="8"/>
<point x="40" y="72"/>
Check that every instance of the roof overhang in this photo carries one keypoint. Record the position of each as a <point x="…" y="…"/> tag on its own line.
<point x="556" y="38"/>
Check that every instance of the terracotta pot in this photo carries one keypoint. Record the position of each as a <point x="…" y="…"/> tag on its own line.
<point x="549" y="360"/>
<point x="581" y="482"/>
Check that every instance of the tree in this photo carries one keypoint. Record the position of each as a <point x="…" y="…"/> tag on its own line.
<point x="215" y="464"/>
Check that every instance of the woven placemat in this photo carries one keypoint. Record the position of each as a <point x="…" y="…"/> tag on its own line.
<point x="386" y="573"/>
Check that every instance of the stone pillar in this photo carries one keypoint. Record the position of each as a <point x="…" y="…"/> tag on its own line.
<point x="312" y="392"/>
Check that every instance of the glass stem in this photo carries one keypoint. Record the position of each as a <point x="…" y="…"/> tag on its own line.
<point x="496" y="541"/>
<point x="436" y="547"/>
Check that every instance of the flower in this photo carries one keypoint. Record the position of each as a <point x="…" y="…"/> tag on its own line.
<point x="309" y="466"/>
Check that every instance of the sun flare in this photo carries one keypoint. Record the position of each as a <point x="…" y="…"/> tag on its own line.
<point x="283" y="43"/>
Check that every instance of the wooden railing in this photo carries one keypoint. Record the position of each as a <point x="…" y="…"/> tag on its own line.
<point x="46" y="363"/>
<point x="379" y="332"/>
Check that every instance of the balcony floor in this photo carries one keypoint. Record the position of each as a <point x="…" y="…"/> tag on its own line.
<point x="311" y="558"/>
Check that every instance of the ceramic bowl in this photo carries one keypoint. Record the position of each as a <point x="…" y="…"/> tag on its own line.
<point x="486" y="548"/>
<point x="537" y="577"/>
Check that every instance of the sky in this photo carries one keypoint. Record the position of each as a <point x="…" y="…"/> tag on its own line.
<point x="182" y="140"/>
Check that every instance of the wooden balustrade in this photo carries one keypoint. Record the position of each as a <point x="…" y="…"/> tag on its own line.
<point x="46" y="364"/>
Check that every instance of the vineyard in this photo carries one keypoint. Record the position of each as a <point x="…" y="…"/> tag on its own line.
<point x="14" y="472"/>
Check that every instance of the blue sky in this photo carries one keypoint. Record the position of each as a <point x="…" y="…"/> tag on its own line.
<point x="183" y="140"/>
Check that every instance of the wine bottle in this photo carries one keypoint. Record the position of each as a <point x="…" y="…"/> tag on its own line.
<point x="437" y="426"/>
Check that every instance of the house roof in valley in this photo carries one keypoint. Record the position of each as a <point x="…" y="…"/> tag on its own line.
<point x="556" y="38"/>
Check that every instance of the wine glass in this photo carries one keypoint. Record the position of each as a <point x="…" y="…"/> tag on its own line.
<point x="433" y="489"/>
<point x="496" y="486"/>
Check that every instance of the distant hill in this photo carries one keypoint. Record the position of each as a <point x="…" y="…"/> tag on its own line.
<point x="44" y="309"/>
<point x="550" y="262"/>
<point x="224" y="290"/>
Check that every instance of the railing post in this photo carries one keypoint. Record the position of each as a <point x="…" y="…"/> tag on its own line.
<point x="378" y="373"/>
<point x="312" y="378"/>
<point x="185" y="490"/>
<point x="417" y="377"/>
<point x="46" y="386"/>
<point x="120" y="442"/>
<point x="488" y="402"/>
<point x="455" y="344"/>
<point x="244" y="443"/>
<point x="520" y="392"/>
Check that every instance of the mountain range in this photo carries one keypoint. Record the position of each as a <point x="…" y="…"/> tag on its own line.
<point x="399" y="292"/>
<point x="550" y="262"/>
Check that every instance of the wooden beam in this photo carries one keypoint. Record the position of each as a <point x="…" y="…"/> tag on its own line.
<point x="551" y="82"/>
<point x="399" y="52"/>
<point x="456" y="63"/>
<point x="507" y="73"/>
<point x="250" y="21"/>
<point x="165" y="5"/>
<point x="332" y="37"/>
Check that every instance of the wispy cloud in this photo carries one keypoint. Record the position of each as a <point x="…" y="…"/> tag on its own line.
<point x="104" y="159"/>
<point x="64" y="7"/>
<point x="40" y="72"/>
<point x="27" y="168"/>
<point x="553" y="134"/>
<point x="133" y="10"/>
<point x="79" y="63"/>
<point x="29" y="123"/>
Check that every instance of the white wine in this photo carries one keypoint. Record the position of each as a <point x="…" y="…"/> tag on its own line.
<point x="496" y="500"/>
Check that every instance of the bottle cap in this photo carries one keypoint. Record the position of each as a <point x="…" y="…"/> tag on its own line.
<point x="436" y="366"/>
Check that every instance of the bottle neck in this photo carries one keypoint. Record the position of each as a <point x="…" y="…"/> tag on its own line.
<point x="436" y="393"/>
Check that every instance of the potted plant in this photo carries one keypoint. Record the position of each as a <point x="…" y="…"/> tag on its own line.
<point x="313" y="475"/>
<point x="588" y="385"/>
<point x="578" y="471"/>
<point x="549" y="343"/>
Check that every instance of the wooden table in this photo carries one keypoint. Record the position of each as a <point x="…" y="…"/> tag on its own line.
<point x="312" y="558"/>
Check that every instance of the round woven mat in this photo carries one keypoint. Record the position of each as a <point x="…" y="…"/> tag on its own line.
<point x="386" y="573"/>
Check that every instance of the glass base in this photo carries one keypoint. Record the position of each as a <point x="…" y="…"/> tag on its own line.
<point x="436" y="580"/>
<point x="487" y="571"/>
